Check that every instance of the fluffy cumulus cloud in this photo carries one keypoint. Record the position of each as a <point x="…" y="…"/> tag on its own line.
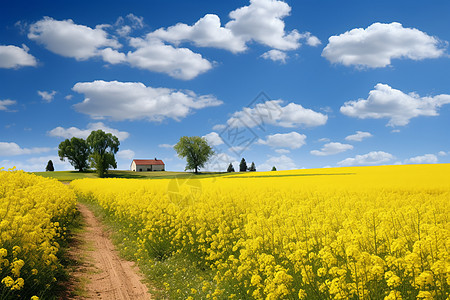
<point x="293" y="140"/>
<point x="371" y="158"/>
<point x="5" y="103"/>
<point x="261" y="22"/>
<point x="272" y="112"/>
<point x="213" y="139"/>
<point x="398" y="107"/>
<point x="12" y="149"/>
<point x="82" y="42"/>
<point x="71" y="40"/>
<point x="134" y="101"/>
<point x="379" y="43"/>
<point x="154" y="55"/>
<point x="282" y="162"/>
<point x="275" y="55"/>
<point x="68" y="133"/>
<point x="12" y="57"/>
<point x="47" y="96"/>
<point x="332" y="148"/>
<point x="423" y="159"/>
<point x="358" y="136"/>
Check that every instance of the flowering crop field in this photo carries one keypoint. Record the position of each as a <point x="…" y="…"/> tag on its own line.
<point x="342" y="233"/>
<point x="33" y="213"/>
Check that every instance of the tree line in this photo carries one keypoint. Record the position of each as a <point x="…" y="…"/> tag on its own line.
<point x="96" y="152"/>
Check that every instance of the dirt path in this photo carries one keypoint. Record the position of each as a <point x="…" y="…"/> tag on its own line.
<point x="103" y="275"/>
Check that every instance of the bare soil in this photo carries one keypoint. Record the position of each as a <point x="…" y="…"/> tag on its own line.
<point x="101" y="273"/>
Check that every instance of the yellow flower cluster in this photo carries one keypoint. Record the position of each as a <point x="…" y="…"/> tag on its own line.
<point x="33" y="211"/>
<point x="344" y="233"/>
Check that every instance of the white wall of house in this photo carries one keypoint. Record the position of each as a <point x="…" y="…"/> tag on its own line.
<point x="146" y="168"/>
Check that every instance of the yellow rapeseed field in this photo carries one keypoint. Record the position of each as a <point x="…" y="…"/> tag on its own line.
<point x="33" y="212"/>
<point x="340" y="233"/>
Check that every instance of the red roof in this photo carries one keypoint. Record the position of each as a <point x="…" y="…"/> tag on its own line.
<point x="148" y="162"/>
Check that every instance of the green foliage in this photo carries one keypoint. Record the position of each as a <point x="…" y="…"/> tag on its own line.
<point x="243" y="166"/>
<point x="196" y="151"/>
<point x="49" y="167"/>
<point x="76" y="151"/>
<point x="103" y="147"/>
<point x="230" y="168"/>
<point x="252" y="167"/>
<point x="273" y="168"/>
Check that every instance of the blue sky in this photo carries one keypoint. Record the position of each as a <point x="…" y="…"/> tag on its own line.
<point x="293" y="84"/>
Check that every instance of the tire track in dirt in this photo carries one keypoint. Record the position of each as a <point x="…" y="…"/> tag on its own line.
<point x="105" y="274"/>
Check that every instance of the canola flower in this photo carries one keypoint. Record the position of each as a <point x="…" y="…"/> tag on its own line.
<point x="345" y="233"/>
<point x="33" y="213"/>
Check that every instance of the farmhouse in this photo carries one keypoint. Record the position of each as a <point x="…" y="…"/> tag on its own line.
<point x="144" y="165"/>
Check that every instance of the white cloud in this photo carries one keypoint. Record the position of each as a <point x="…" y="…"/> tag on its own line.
<point x="275" y="55"/>
<point x="213" y="139"/>
<point x="206" y="32"/>
<point x="71" y="40"/>
<point x="442" y="153"/>
<point x="125" y="154"/>
<point x="68" y="97"/>
<point x="376" y="45"/>
<point x="165" y="146"/>
<point x="135" y="101"/>
<point x="331" y="149"/>
<point x="14" y="57"/>
<point x="280" y="162"/>
<point x="293" y="140"/>
<point x="398" y="107"/>
<point x="12" y="149"/>
<point x="311" y="40"/>
<point x="47" y="96"/>
<point x="371" y="158"/>
<point x="424" y="159"/>
<point x="271" y="112"/>
<point x="180" y="63"/>
<point x="71" y="132"/>
<point x="219" y="127"/>
<point x="112" y="56"/>
<point x="282" y="151"/>
<point x="358" y="136"/>
<point x="5" y="103"/>
<point x="261" y="22"/>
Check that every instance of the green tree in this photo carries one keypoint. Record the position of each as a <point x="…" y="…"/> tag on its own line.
<point x="76" y="151"/>
<point x="103" y="147"/>
<point x="230" y="168"/>
<point x="273" y="168"/>
<point x="50" y="167"/>
<point x="252" y="167"/>
<point x="196" y="151"/>
<point x="243" y="166"/>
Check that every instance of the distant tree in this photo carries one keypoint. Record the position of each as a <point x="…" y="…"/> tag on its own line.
<point x="273" y="168"/>
<point x="76" y="151"/>
<point x="196" y="150"/>
<point x="243" y="166"/>
<point x="103" y="148"/>
<point x="49" y="167"/>
<point x="230" y="168"/>
<point x="252" y="167"/>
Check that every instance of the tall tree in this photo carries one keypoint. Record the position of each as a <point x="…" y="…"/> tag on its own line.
<point x="273" y="168"/>
<point x="76" y="151"/>
<point x="103" y="147"/>
<point x="252" y="167"/>
<point x="50" y="167"/>
<point x="196" y="150"/>
<point x="243" y="166"/>
<point x="230" y="168"/>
